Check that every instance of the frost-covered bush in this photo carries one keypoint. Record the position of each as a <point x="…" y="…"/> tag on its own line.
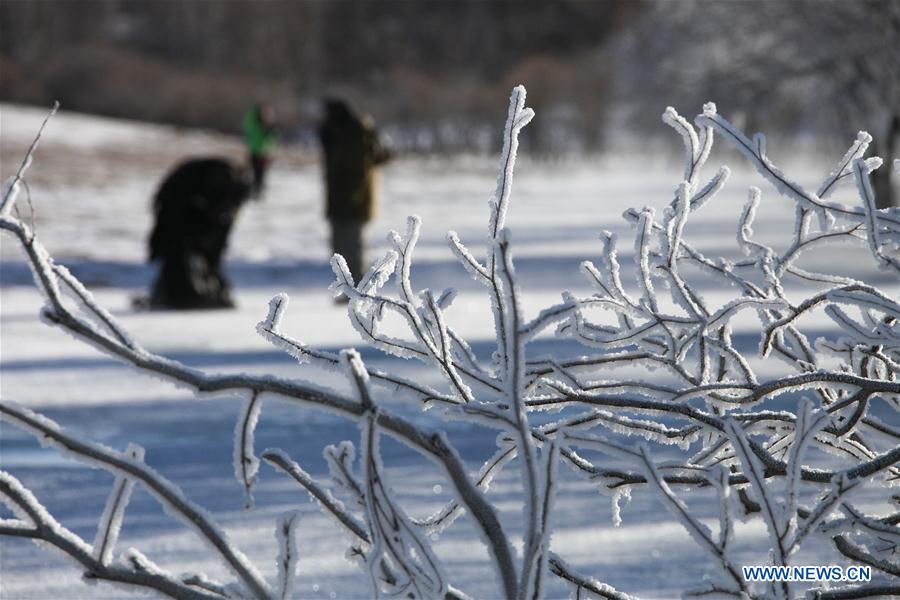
<point x="691" y="395"/>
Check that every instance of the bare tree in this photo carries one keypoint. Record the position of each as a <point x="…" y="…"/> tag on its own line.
<point x="730" y="443"/>
<point x="829" y="67"/>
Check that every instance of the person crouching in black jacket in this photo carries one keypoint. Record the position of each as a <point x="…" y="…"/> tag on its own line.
<point x="195" y="208"/>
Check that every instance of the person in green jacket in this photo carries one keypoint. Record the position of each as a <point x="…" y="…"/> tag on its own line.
<point x="352" y="153"/>
<point x="260" y="134"/>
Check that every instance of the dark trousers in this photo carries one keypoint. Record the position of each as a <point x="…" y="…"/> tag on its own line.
<point x="259" y="163"/>
<point x="347" y="240"/>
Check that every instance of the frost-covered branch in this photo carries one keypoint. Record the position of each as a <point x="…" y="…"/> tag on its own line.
<point x="755" y="151"/>
<point x="691" y="386"/>
<point x="111" y="521"/>
<point x="584" y="583"/>
<point x="12" y="186"/>
<point x="43" y="527"/>
<point x="163" y="490"/>
<point x="854" y="592"/>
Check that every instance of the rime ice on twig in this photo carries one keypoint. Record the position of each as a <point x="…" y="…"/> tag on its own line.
<point x="111" y="521"/>
<point x="394" y="537"/>
<point x="11" y="186"/>
<point x="286" y="563"/>
<point x="246" y="465"/>
<point x="167" y="494"/>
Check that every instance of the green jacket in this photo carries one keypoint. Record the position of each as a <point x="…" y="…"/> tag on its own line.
<point x="259" y="138"/>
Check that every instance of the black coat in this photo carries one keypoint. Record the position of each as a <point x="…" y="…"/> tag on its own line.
<point x="195" y="208"/>
<point x="352" y="153"/>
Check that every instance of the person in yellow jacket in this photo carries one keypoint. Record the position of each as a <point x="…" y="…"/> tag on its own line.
<point x="260" y="135"/>
<point x="352" y="153"/>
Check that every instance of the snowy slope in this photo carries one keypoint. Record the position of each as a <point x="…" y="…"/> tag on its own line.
<point x="95" y="218"/>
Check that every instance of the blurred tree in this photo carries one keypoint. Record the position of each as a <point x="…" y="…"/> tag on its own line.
<point x="202" y="63"/>
<point x="796" y="66"/>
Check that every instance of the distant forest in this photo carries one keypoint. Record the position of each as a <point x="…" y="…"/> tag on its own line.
<point x="436" y="73"/>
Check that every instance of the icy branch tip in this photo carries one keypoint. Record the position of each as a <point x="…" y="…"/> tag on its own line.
<point x="517" y="99"/>
<point x="413" y="222"/>
<point x="630" y="214"/>
<point x="276" y="309"/>
<point x="670" y="114"/>
<point x="525" y="117"/>
<point x="872" y="163"/>
<point x="413" y="225"/>
<point x="341" y="271"/>
<point x="709" y="109"/>
<point x="865" y="166"/>
<point x="354" y="363"/>
<point x="518" y="113"/>
<point x="135" y="452"/>
<point x="11" y="185"/>
<point x="447" y="297"/>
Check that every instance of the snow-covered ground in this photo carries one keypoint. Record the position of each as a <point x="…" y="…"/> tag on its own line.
<point x="90" y="188"/>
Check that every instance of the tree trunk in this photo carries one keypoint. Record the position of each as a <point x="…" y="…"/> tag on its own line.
<point x="886" y="193"/>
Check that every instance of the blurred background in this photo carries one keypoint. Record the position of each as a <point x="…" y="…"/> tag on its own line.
<point x="433" y="74"/>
